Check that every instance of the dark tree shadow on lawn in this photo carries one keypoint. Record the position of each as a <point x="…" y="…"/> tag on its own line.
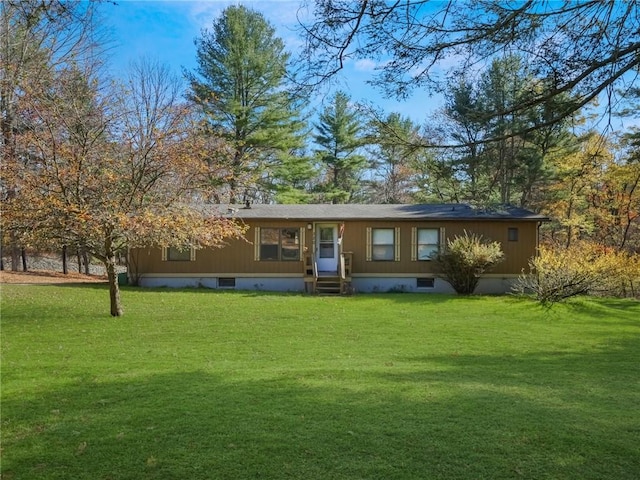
<point x="607" y="309"/>
<point x="462" y="417"/>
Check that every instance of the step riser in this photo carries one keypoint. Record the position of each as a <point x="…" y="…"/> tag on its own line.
<point x="329" y="285"/>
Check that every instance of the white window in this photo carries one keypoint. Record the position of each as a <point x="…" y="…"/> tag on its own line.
<point x="383" y="244"/>
<point x="428" y="243"/>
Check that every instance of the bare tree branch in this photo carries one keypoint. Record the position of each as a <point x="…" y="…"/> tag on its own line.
<point x="579" y="49"/>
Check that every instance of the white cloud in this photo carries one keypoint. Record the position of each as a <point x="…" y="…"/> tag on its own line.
<point x="202" y="13"/>
<point x="365" y="65"/>
<point x="284" y="15"/>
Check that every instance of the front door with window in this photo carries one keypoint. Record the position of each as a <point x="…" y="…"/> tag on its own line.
<point x="327" y="248"/>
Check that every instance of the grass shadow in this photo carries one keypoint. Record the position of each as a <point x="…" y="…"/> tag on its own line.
<point x="184" y="388"/>
<point x="84" y="286"/>
<point x="606" y="308"/>
<point x="197" y="425"/>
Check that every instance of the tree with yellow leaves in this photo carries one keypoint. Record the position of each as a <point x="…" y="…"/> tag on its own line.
<point x="576" y="175"/>
<point x="114" y="167"/>
<point x="35" y="36"/>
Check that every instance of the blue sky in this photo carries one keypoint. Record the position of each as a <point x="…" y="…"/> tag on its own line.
<point x="165" y="30"/>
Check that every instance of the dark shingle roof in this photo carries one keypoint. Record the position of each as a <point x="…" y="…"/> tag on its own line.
<point x="375" y="212"/>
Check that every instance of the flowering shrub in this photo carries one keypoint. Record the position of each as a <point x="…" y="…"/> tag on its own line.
<point x="583" y="269"/>
<point x="465" y="258"/>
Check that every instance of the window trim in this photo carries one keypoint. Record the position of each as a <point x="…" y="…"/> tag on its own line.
<point x="415" y="245"/>
<point x="513" y="234"/>
<point x="370" y="245"/>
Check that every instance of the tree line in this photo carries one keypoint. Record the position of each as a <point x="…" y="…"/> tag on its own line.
<point x="98" y="164"/>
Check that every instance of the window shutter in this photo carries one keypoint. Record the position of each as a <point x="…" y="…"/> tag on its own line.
<point x="256" y="245"/>
<point x="368" y="249"/>
<point x="164" y="253"/>
<point x="302" y="244"/>
<point x="396" y="242"/>
<point x="414" y="244"/>
<point x="442" y="240"/>
<point x="192" y="256"/>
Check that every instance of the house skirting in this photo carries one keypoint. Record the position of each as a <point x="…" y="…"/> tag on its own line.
<point x="280" y="283"/>
<point x="489" y="284"/>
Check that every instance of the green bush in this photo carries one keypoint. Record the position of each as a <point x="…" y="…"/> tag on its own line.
<point x="465" y="258"/>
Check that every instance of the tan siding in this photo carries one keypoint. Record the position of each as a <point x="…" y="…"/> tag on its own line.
<point x="517" y="254"/>
<point x="239" y="256"/>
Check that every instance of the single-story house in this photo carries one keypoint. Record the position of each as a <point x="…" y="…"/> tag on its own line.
<point x="342" y="248"/>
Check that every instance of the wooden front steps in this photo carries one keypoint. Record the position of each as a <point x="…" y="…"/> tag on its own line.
<point x="329" y="285"/>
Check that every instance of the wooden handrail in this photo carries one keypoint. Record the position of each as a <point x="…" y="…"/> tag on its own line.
<point x="346" y="261"/>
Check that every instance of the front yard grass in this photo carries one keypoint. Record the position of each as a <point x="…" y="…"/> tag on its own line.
<point x="198" y="384"/>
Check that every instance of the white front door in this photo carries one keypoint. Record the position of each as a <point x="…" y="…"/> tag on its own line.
<point x="327" y="247"/>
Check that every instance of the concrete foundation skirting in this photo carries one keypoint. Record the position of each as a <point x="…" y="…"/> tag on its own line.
<point x="276" y="284"/>
<point x="487" y="285"/>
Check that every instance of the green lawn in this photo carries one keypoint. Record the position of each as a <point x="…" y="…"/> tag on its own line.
<point x="198" y="384"/>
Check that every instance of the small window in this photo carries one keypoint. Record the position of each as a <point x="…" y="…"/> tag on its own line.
<point x="290" y="244"/>
<point x="327" y="246"/>
<point x="280" y="244"/>
<point x="178" y="254"/>
<point x="428" y="243"/>
<point x="427" y="282"/>
<point x="383" y="244"/>
<point x="513" y="234"/>
<point x="269" y="243"/>
<point x="227" y="283"/>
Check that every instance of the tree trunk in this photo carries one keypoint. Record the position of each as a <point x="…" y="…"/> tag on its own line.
<point x="15" y="251"/>
<point x="85" y="259"/>
<point x="114" y="289"/>
<point x="23" y="254"/>
<point x="65" y="269"/>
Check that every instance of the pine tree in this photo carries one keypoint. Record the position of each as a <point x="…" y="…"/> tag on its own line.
<point x="241" y="85"/>
<point x="340" y="138"/>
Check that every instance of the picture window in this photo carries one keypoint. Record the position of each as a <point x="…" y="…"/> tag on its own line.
<point x="280" y="244"/>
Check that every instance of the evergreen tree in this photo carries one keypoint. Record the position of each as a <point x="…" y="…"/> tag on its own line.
<point x="340" y="138"/>
<point x="293" y="179"/>
<point x="241" y="85"/>
<point x="507" y="169"/>
<point x="580" y="49"/>
<point x="395" y="154"/>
